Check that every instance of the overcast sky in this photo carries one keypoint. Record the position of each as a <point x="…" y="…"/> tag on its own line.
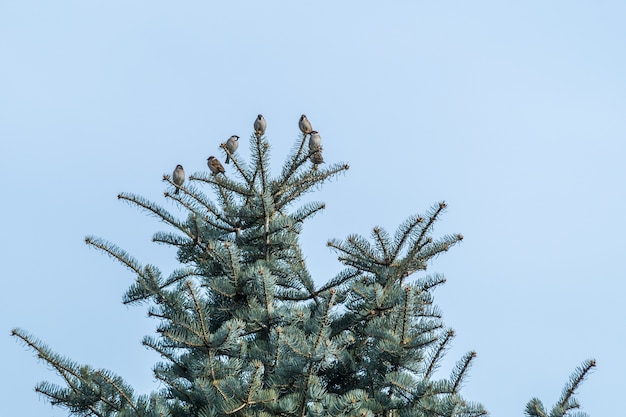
<point x="511" y="112"/>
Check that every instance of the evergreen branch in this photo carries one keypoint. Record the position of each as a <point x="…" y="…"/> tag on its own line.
<point x="432" y="218"/>
<point x="198" y="309"/>
<point x="404" y="232"/>
<point x="417" y="256"/>
<point x="242" y="171"/>
<point x="339" y="280"/>
<point x="181" y="391"/>
<point x="296" y="296"/>
<point x="352" y="255"/>
<point x="295" y="162"/>
<point x="381" y="237"/>
<point x="154" y="209"/>
<point x="297" y="268"/>
<point x="213" y="376"/>
<point x="198" y="197"/>
<point x="279" y="332"/>
<point x="442" y="245"/>
<point x="267" y="298"/>
<point x="460" y="370"/>
<point x="566" y="402"/>
<point x="233" y="264"/>
<point x="429" y="282"/>
<point x="296" y="350"/>
<point x="178" y="275"/>
<point x="535" y="408"/>
<point x="405" y="315"/>
<point x="302" y="185"/>
<point x="152" y="344"/>
<point x="364" y="248"/>
<point x="44" y="353"/>
<point x="414" y="259"/>
<point x="359" y="264"/>
<point x="147" y="285"/>
<point x="61" y="400"/>
<point x="120" y="392"/>
<point x="437" y="356"/>
<point x="211" y="208"/>
<point x="215" y="381"/>
<point x="115" y="252"/>
<point x="308" y="211"/>
<point x="249" y="401"/>
<point x="266" y="230"/>
<point x="238" y="408"/>
<point x="65" y="369"/>
<point x="195" y="224"/>
<point x="306" y="390"/>
<point x="225" y="197"/>
<point x="211" y="251"/>
<point x="223" y="181"/>
<point x="223" y="292"/>
<point x="261" y="148"/>
<point x="171" y="239"/>
<point x="324" y="321"/>
<point x="402" y="381"/>
<point x="170" y="334"/>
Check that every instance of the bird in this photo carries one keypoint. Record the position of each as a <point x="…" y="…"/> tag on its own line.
<point x="215" y="165"/>
<point x="305" y="125"/>
<point x="231" y="144"/>
<point x="316" y="158"/>
<point x="315" y="141"/>
<point x="178" y="177"/>
<point x="259" y="125"/>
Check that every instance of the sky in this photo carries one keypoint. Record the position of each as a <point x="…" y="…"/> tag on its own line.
<point x="511" y="112"/>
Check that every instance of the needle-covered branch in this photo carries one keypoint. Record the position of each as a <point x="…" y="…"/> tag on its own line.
<point x="567" y="403"/>
<point x="244" y="329"/>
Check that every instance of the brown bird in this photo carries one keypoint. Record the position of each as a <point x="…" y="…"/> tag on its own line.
<point x="215" y="165"/>
<point x="305" y="125"/>
<point x="316" y="158"/>
<point x="178" y="177"/>
<point x="259" y="126"/>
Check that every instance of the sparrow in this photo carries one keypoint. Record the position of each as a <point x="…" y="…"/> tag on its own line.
<point x="232" y="144"/>
<point x="317" y="158"/>
<point x="215" y="165"/>
<point x="315" y="141"/>
<point x="305" y="125"/>
<point x="259" y="126"/>
<point x="178" y="177"/>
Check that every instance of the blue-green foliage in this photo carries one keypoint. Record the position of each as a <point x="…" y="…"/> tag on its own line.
<point x="244" y="331"/>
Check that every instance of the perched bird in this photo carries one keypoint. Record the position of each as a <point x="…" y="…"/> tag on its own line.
<point x="259" y="125"/>
<point x="305" y="125"/>
<point x="178" y="177"/>
<point x="215" y="165"/>
<point x="317" y="158"/>
<point x="232" y="144"/>
<point x="315" y="141"/>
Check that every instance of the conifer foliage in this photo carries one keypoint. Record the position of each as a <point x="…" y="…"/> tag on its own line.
<point x="243" y="330"/>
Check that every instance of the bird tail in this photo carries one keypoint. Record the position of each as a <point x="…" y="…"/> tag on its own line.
<point x="177" y="190"/>
<point x="227" y="159"/>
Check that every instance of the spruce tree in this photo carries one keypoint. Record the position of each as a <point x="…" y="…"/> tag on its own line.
<point x="243" y="330"/>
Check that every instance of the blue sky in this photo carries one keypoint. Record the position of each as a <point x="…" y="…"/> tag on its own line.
<point x="511" y="112"/>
